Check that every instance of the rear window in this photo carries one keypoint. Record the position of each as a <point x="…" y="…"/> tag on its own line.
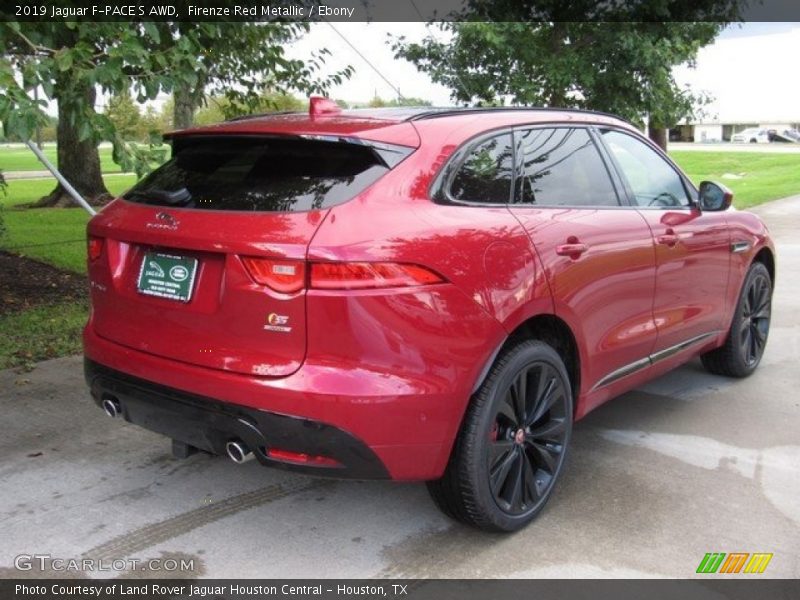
<point x="259" y="174"/>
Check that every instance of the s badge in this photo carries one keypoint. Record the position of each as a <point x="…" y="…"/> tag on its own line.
<point x="276" y="322"/>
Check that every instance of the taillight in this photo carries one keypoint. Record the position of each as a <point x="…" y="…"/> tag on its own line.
<point x="94" y="247"/>
<point x="281" y="275"/>
<point x="366" y="275"/>
<point x="285" y="275"/>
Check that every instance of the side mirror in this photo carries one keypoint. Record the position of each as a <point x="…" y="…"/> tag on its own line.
<point x="714" y="196"/>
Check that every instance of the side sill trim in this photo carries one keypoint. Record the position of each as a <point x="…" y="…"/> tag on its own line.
<point x="667" y="352"/>
<point x="647" y="361"/>
<point x="628" y="369"/>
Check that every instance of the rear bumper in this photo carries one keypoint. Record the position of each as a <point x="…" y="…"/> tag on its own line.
<point x="408" y="423"/>
<point x="210" y="424"/>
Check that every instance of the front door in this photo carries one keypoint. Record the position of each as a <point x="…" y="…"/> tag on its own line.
<point x="692" y="247"/>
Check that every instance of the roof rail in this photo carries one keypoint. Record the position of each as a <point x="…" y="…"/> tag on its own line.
<point x="447" y="112"/>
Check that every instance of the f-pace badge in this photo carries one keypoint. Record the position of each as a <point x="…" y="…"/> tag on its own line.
<point x="165" y="221"/>
<point x="276" y="322"/>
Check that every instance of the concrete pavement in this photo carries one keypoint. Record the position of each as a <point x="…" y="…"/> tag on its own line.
<point x="689" y="464"/>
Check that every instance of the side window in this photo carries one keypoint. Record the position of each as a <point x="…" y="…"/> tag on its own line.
<point x="562" y="167"/>
<point x="652" y="179"/>
<point x="486" y="174"/>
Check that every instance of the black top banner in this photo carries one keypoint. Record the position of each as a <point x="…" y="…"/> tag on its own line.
<point x="401" y="10"/>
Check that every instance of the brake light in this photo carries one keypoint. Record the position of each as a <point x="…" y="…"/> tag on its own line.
<point x="281" y="275"/>
<point x="94" y="247"/>
<point x="366" y="275"/>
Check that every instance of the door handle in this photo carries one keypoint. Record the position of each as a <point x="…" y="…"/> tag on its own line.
<point x="571" y="249"/>
<point x="669" y="238"/>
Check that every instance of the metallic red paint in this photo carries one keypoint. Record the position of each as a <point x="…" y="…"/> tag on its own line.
<point x="396" y="367"/>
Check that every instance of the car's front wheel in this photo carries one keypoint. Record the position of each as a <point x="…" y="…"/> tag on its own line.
<point x="513" y="442"/>
<point x="742" y="351"/>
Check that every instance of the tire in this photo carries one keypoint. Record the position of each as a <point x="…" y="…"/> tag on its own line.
<point x="508" y="457"/>
<point x="743" y="348"/>
<point x="753" y="141"/>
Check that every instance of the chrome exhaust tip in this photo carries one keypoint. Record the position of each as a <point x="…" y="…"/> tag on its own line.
<point x="112" y="407"/>
<point x="238" y="452"/>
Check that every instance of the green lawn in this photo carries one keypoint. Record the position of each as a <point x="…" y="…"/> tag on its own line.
<point x="56" y="236"/>
<point x="53" y="235"/>
<point x="759" y="176"/>
<point x="40" y="333"/>
<point x="22" y="159"/>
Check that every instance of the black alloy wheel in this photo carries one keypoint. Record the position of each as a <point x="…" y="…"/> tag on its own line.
<point x="513" y="442"/>
<point x="754" y="325"/>
<point x="747" y="338"/>
<point x="527" y="440"/>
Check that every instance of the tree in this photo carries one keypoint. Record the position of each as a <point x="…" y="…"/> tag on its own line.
<point x="219" y="108"/>
<point x="125" y="116"/>
<point x="70" y="61"/>
<point x="378" y="102"/>
<point x="249" y="68"/>
<point x="563" y="60"/>
<point x="152" y="125"/>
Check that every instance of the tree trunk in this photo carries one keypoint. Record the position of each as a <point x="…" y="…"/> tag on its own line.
<point x="657" y="134"/>
<point x="78" y="161"/>
<point x="185" y="101"/>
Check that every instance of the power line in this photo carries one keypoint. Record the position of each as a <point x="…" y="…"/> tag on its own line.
<point x="421" y="18"/>
<point x="364" y="58"/>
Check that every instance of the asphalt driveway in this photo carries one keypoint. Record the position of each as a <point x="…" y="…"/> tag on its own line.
<point x="690" y="464"/>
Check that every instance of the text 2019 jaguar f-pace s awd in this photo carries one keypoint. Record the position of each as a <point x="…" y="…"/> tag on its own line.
<point x="414" y="294"/>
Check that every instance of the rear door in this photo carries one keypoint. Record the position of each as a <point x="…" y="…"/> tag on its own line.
<point x="203" y="261"/>
<point x="598" y="253"/>
<point x="692" y="248"/>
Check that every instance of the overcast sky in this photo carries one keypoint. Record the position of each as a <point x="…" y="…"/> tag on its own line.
<point x="750" y="70"/>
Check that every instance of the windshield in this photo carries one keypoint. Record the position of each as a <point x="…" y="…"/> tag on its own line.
<point x="259" y="174"/>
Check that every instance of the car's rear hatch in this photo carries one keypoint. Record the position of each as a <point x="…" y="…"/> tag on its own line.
<point x="203" y="260"/>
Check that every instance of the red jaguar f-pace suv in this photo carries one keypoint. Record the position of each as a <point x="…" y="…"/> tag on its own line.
<point x="414" y="294"/>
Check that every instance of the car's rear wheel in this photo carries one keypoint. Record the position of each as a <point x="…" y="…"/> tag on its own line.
<point x="513" y="442"/>
<point x="742" y="351"/>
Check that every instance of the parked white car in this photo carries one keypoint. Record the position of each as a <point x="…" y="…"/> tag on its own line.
<point x="751" y="136"/>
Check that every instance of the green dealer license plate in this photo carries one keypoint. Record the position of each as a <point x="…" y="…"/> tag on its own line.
<point x="167" y="276"/>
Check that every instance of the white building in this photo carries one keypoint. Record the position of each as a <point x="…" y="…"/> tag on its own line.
<point x="751" y="75"/>
<point x="722" y="131"/>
